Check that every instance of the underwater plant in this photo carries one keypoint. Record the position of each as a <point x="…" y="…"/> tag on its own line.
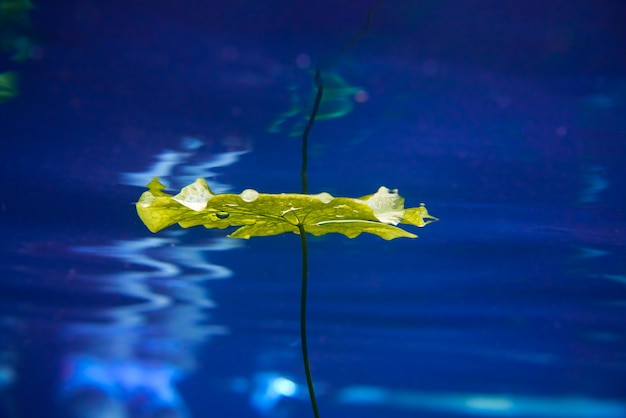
<point x="337" y="102"/>
<point x="14" y="25"/>
<point x="261" y="214"/>
<point x="8" y="86"/>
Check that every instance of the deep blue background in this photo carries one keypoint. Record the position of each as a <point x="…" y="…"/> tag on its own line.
<point x="507" y="118"/>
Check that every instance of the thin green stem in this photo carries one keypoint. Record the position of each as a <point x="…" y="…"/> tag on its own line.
<point x="305" y="134"/>
<point x="303" y="299"/>
<point x="305" y="251"/>
<point x="360" y="34"/>
<point x="305" y="189"/>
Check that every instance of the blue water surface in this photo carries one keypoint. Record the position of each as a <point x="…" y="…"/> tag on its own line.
<point x="506" y="118"/>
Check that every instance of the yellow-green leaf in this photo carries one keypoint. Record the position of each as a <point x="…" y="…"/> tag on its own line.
<point x="260" y="214"/>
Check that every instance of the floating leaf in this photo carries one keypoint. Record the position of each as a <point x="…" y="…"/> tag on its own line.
<point x="260" y="214"/>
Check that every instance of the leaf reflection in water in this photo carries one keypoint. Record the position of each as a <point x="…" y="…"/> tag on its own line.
<point x="127" y="362"/>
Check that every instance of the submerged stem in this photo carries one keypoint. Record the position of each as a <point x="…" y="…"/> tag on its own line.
<point x="305" y="189"/>
<point x="305" y="134"/>
<point x="305" y="251"/>
<point x="303" y="298"/>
